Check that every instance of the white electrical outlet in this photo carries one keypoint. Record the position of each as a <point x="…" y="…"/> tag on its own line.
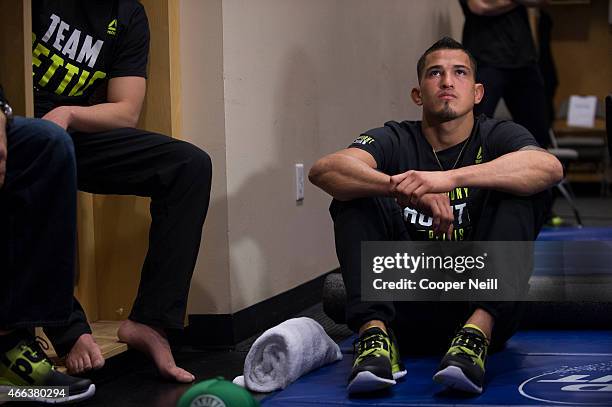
<point x="299" y="182"/>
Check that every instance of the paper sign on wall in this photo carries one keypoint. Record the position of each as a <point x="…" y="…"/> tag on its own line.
<point x="581" y="111"/>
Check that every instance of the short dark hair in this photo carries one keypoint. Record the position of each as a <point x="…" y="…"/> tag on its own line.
<point x="444" y="43"/>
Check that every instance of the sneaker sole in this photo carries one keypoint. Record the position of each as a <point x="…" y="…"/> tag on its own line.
<point x="367" y="382"/>
<point x="453" y="377"/>
<point x="60" y="400"/>
<point x="399" y="375"/>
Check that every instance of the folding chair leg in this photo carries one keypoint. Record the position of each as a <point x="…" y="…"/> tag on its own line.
<point x="569" y="189"/>
<point x="570" y="201"/>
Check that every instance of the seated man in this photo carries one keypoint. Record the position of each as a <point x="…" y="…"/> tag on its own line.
<point x="398" y="182"/>
<point x="37" y="242"/>
<point x="89" y="67"/>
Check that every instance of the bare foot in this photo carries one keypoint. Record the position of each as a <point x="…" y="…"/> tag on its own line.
<point x="85" y="355"/>
<point x="154" y="343"/>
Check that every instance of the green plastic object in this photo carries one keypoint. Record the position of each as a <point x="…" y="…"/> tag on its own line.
<point x="217" y="393"/>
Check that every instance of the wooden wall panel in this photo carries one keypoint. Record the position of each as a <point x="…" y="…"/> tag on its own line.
<point x="162" y="111"/>
<point x="121" y="227"/>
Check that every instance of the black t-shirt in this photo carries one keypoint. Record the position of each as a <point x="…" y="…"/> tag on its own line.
<point x="400" y="147"/>
<point x="78" y="45"/>
<point x="502" y="41"/>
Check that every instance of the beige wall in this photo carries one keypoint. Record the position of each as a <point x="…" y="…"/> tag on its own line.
<point x="269" y="83"/>
<point x="204" y="125"/>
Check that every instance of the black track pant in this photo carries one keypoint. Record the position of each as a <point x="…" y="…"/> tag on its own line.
<point x="177" y="177"/>
<point x="503" y="218"/>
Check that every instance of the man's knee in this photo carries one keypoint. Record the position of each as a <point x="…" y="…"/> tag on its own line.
<point x="534" y="207"/>
<point x="196" y="171"/>
<point x="199" y="163"/>
<point x="510" y="217"/>
<point x="45" y="138"/>
<point x="205" y="162"/>
<point x="203" y="168"/>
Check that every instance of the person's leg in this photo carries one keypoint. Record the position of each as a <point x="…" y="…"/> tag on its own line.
<point x="526" y="101"/>
<point x="177" y="176"/>
<point x="530" y="106"/>
<point x="483" y="320"/>
<point x="37" y="225"/>
<point x="377" y="361"/>
<point x="83" y="354"/>
<point x="356" y="221"/>
<point x="507" y="217"/>
<point x="424" y="327"/>
<point x="37" y="245"/>
<point x="495" y="82"/>
<point x="504" y="217"/>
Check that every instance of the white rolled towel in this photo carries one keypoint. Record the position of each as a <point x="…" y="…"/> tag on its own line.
<point x="284" y="353"/>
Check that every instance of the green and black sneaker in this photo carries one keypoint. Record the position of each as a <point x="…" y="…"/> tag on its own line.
<point x="25" y="367"/>
<point x="372" y="367"/>
<point x="462" y="368"/>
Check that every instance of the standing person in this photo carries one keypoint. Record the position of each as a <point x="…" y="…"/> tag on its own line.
<point x="450" y="176"/>
<point x="37" y="252"/>
<point x="498" y="34"/>
<point x="89" y="64"/>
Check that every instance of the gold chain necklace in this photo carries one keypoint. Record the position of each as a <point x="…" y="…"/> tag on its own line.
<point x="465" y="143"/>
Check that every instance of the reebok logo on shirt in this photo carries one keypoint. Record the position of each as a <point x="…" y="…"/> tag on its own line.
<point x="112" y="28"/>
<point x="478" y="156"/>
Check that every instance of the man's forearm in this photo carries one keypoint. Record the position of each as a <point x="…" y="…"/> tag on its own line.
<point x="102" y="117"/>
<point x="520" y="173"/>
<point x="345" y="178"/>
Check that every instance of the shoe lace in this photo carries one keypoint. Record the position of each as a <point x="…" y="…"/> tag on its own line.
<point x="369" y="344"/>
<point x="39" y="345"/>
<point x="471" y="340"/>
<point x="42" y="342"/>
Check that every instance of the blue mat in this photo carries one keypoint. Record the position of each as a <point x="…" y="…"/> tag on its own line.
<point x="573" y="258"/>
<point x="574" y="233"/>
<point x="573" y="251"/>
<point x="538" y="368"/>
